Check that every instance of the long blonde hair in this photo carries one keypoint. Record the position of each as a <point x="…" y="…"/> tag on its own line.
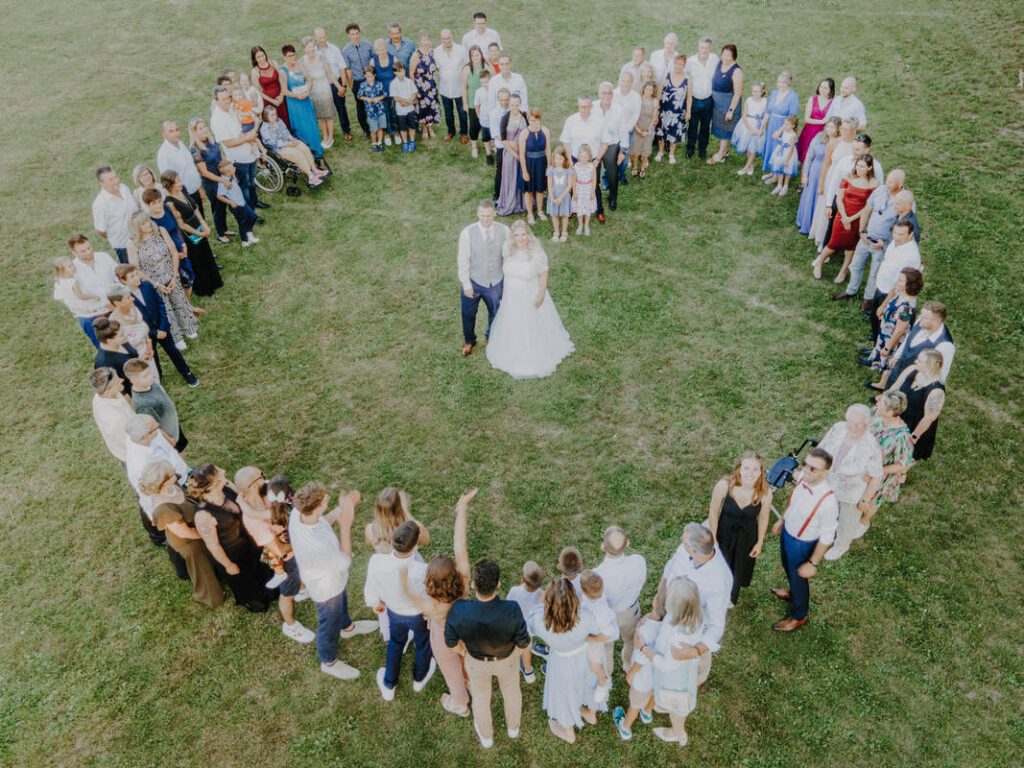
<point x="682" y="605"/>
<point x="389" y="513"/>
<point x="533" y="246"/>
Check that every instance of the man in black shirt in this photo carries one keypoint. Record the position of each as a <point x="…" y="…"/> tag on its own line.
<point x="487" y="632"/>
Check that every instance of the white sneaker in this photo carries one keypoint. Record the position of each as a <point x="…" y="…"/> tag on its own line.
<point x="860" y="530"/>
<point x="555" y="238"/>
<point x="741" y="172"/>
<point x="301" y="595"/>
<point x="387" y="693"/>
<point x="601" y="694"/>
<point x="340" y="670"/>
<point x="586" y="231"/>
<point x="485" y="743"/>
<point x="513" y="734"/>
<point x="671" y="159"/>
<point x="251" y="239"/>
<point x="565" y="237"/>
<point x="276" y="580"/>
<point x="657" y="157"/>
<point x="362" y="627"/>
<point x="784" y="191"/>
<point x="181" y="346"/>
<point x="387" y="141"/>
<point x="419" y="685"/>
<point x="298" y="633"/>
<point x="327" y="144"/>
<point x="579" y="229"/>
<point x="835" y="553"/>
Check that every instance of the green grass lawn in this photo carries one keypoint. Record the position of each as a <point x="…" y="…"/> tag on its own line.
<point x="331" y="354"/>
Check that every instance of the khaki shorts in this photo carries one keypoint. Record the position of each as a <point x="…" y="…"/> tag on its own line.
<point x="639" y="699"/>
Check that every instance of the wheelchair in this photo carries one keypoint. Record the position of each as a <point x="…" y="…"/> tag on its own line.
<point x="274" y="171"/>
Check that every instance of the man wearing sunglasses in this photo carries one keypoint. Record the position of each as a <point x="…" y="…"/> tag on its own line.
<point x="808" y="528"/>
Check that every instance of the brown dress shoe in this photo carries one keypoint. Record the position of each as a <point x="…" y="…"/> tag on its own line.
<point x="865" y="306"/>
<point x="788" y="625"/>
<point x="467" y="350"/>
<point x="464" y="139"/>
<point x="782" y="594"/>
<point x="842" y="296"/>
<point x="449" y="137"/>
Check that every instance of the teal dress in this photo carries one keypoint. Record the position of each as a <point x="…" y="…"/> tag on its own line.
<point x="301" y="114"/>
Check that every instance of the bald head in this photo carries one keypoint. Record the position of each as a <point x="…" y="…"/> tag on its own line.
<point x="848" y="86"/>
<point x="895" y="180"/>
<point x="904" y="202"/>
<point x="171" y="132"/>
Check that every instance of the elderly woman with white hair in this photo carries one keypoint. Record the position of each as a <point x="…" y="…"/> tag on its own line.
<point x="855" y="475"/>
<point x="527" y="339"/>
<point x="143" y="178"/>
<point x="893" y="436"/>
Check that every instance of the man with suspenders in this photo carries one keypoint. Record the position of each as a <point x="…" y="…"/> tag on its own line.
<point x="808" y="528"/>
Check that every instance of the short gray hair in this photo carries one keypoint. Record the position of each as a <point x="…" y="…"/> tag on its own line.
<point x="138" y="426"/>
<point x="116" y="293"/>
<point x="858" y="412"/>
<point x="698" y="538"/>
<point x="706" y="39"/>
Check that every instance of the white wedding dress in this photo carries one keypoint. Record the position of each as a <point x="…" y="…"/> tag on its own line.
<point x="527" y="342"/>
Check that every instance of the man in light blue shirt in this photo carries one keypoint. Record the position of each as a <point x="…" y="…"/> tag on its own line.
<point x="399" y="46"/>
<point x="358" y="54"/>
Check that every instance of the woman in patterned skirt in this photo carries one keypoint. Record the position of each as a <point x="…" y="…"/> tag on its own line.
<point x="152" y="251"/>
<point x="423" y="68"/>
<point x="672" y="111"/>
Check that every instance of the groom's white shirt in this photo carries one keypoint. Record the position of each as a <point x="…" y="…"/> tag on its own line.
<point x="464" y="250"/>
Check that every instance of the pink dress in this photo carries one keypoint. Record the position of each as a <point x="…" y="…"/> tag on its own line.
<point x="584" y="201"/>
<point x="809" y="130"/>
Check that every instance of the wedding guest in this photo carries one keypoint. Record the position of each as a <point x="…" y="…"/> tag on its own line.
<point x="112" y="209"/>
<point x="324" y="564"/>
<point x="506" y="78"/>
<point x="810" y="176"/>
<point x="615" y="141"/>
<point x="196" y="235"/>
<point x="404" y="96"/>
<point x="152" y="251"/>
<point x="240" y="147"/>
<point x="373" y="98"/>
<point x="145" y="180"/>
<point x="147" y="444"/>
<point x="481" y="35"/>
<point x="502" y="102"/>
<point x="384" y="592"/>
<point x="266" y="76"/>
<point x="207" y="156"/>
<point x="534" y="155"/>
<point x="529" y="596"/>
<point x="675" y="94"/>
<point x="782" y="103"/>
<point x="599" y="654"/>
<point x="510" y="196"/>
<point x="815" y="115"/>
<point x="560" y="184"/>
<point x="923" y="386"/>
<point x="929" y="332"/>
<point x="748" y="138"/>
<point x="82" y="283"/>
<point x="110" y="410"/>
<point x="663" y="59"/>
<point x="895" y="316"/>
<point x="424" y="71"/>
<point x="808" y="528"/>
<point x="340" y="78"/>
<point x="114" y="351"/>
<point x="848" y="106"/>
<point x="276" y="137"/>
<point x="229" y="192"/>
<point x="855" y="474"/>
<point x="901" y="253"/>
<point x="149" y="397"/>
<point x="480" y="259"/>
<point x="358" y="54"/>
<point x="852" y="197"/>
<point x="154" y="313"/>
<point x="474" y="78"/>
<point x="676" y="670"/>
<point x="569" y="685"/>
<point x="584" y="194"/>
<point x="624" y="577"/>
<point x="700" y="105"/>
<point x="267" y="525"/>
<point x="784" y="164"/>
<point x="628" y="101"/>
<point x="446" y="582"/>
<point x="903" y="203"/>
<point x="219" y="521"/>
<point x="174" y="155"/>
<point x="174" y="514"/>
<point x="136" y="331"/>
<point x="644" y="129"/>
<point x="699" y="559"/>
<point x="837" y="150"/>
<point x="297" y="86"/>
<point x="452" y="60"/>
<point x="727" y="95"/>
<point x="321" y="86"/>
<point x="400" y="46"/>
<point x="741" y="505"/>
<point x="838" y="170"/>
<point x="893" y="436"/>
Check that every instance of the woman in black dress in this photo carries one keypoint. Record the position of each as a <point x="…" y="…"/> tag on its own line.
<point x="196" y="233"/>
<point x="926" y="394"/>
<point x="114" y="349"/>
<point x="738" y="518"/>
<point x="219" y="521"/>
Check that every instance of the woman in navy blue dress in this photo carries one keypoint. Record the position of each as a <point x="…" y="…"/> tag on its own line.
<point x="672" y="110"/>
<point x="534" y="154"/>
<point x="727" y="93"/>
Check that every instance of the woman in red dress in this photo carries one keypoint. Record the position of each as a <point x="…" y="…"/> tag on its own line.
<point x="814" y="116"/>
<point x="267" y="78"/>
<point x="853" y="195"/>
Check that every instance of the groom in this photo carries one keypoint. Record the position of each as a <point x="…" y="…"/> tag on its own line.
<point x="480" y="270"/>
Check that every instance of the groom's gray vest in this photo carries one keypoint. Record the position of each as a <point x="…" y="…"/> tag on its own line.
<point x="484" y="257"/>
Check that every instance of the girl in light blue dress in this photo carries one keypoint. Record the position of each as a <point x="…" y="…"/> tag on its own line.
<point x="560" y="179"/>
<point x="784" y="164"/>
<point x="748" y="138"/>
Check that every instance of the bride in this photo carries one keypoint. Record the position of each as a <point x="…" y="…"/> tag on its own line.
<point x="528" y="339"/>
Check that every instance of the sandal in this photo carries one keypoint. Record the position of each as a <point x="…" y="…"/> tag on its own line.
<point x="635" y="172"/>
<point x="530" y="220"/>
<point x="643" y="174"/>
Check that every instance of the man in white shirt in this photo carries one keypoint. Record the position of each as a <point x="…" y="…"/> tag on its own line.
<point x="147" y="443"/>
<point x="481" y="35"/>
<point x="929" y="332"/>
<point x="616" y="141"/>
<point x="662" y="59"/>
<point x="627" y="99"/>
<point x="95" y="271"/>
<point x="584" y="127"/>
<point x="699" y="105"/>
<point x="510" y="80"/>
<point x="808" y="528"/>
<point x="240" y="148"/>
<point x="632" y="67"/>
<point x="111" y="211"/>
<point x="848" y="106"/>
<point x="341" y="77"/>
<point x="324" y="565"/>
<point x="111" y="410"/>
<point x="624" y="577"/>
<point x="479" y="263"/>
<point x="385" y="592"/>
<point x="501" y="98"/>
<point x="451" y="58"/>
<point x="699" y="559"/>
<point x="174" y="155"/>
<point x="902" y="252"/>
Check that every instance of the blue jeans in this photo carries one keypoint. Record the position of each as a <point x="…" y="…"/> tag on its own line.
<point x="245" y="216"/>
<point x="247" y="181"/>
<point x="491" y="298"/>
<point x="795" y="553"/>
<point x="862" y="254"/>
<point x="122" y="255"/>
<point x="400" y="627"/>
<point x="453" y="107"/>
<point x="220" y="210"/>
<point x="88" y="330"/>
<point x="332" y="617"/>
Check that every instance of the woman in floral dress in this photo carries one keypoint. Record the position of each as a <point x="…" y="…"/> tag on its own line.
<point x="672" y="111"/>
<point x="896" y="317"/>
<point x="151" y="251"/>
<point x="893" y="436"/>
<point x="424" y="74"/>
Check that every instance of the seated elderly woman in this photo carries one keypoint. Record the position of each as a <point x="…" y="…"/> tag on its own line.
<point x="855" y="474"/>
<point x="276" y="137"/>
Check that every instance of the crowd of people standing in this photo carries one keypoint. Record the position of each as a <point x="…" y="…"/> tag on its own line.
<point x="265" y="542"/>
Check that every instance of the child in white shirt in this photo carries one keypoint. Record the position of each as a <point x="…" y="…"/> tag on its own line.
<point x="529" y="596"/>
<point x="640" y="677"/>
<point x="482" y="106"/>
<point x="599" y="653"/>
